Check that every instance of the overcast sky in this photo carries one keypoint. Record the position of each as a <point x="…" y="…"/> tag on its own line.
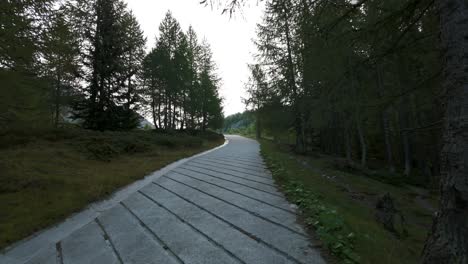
<point x="230" y="38"/>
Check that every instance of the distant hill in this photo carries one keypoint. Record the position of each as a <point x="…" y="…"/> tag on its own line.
<point x="239" y="123"/>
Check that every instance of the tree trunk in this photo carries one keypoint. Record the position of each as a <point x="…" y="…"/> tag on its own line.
<point x="385" y="123"/>
<point x="347" y="136"/>
<point x="407" y="152"/>
<point x="57" y="101"/>
<point x="388" y="139"/>
<point x="291" y="75"/>
<point x="448" y="241"/>
<point x="362" y="141"/>
<point x="204" y="122"/>
<point x="174" y="116"/>
<point x="405" y="135"/>
<point x="165" y="112"/>
<point x="169" y="115"/>
<point x="258" y="129"/>
<point x="159" y="111"/>
<point x="153" y="110"/>
<point x="183" y="112"/>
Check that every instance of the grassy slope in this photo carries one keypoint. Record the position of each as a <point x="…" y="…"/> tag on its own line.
<point x="333" y="196"/>
<point x="44" y="178"/>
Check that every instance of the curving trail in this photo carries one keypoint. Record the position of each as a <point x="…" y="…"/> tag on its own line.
<point x="221" y="207"/>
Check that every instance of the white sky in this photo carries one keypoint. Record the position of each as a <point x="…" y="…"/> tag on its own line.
<point x="230" y="38"/>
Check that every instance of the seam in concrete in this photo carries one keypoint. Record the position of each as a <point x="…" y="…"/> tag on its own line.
<point x="254" y="237"/>
<point x="243" y="172"/>
<point x="243" y="185"/>
<point x="260" y="161"/>
<point x="236" y="164"/>
<point x="108" y="239"/>
<point x="243" y="209"/>
<point x="153" y="235"/>
<point x="238" y="193"/>
<point x="216" y="244"/>
<point x="246" y="171"/>
<point x="58" y="251"/>
<point x="223" y="172"/>
<point x="27" y="248"/>
<point x="256" y="161"/>
<point x="243" y="160"/>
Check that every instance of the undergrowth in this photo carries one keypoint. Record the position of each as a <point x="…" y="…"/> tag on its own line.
<point x="340" y="207"/>
<point x="324" y="219"/>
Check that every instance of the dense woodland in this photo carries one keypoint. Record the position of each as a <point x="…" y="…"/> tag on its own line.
<point x="88" y="58"/>
<point x="380" y="83"/>
<point x="356" y="87"/>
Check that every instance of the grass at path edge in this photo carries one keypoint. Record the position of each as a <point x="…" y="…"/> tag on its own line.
<point x="344" y="220"/>
<point x="45" y="177"/>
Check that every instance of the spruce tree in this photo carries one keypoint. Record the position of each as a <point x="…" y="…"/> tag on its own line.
<point x="61" y="55"/>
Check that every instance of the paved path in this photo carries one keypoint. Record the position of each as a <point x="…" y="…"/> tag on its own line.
<point x="221" y="207"/>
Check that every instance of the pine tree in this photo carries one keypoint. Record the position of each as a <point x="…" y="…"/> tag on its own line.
<point x="257" y="89"/>
<point x="193" y="56"/>
<point x="61" y="53"/>
<point x="131" y="94"/>
<point x="24" y="96"/>
<point x="180" y="80"/>
<point x="113" y="50"/>
<point x="210" y="101"/>
<point x="278" y="49"/>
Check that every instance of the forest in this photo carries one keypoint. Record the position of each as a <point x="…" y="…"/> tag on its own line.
<point x="381" y="84"/>
<point x="359" y="88"/>
<point x="87" y="61"/>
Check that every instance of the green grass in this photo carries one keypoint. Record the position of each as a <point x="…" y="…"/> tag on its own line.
<point x="339" y="206"/>
<point x="47" y="176"/>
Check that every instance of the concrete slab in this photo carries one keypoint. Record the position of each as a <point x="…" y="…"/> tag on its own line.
<point x="241" y="175"/>
<point x="132" y="240"/>
<point x="266" y="209"/>
<point x="254" y="193"/>
<point x="279" y="237"/>
<point x="230" y="168"/>
<point x="236" y="241"/>
<point x="226" y="177"/>
<point x="218" y="207"/>
<point x="88" y="245"/>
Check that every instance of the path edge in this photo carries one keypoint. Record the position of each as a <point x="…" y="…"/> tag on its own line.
<point x="27" y="248"/>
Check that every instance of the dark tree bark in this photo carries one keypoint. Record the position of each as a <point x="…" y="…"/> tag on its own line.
<point x="183" y="112"/>
<point x="448" y="241"/>
<point x="388" y="140"/>
<point x="153" y="110"/>
<point x="258" y="127"/>
<point x="406" y="152"/>
<point x="385" y="123"/>
<point x="362" y="141"/>
<point x="292" y="83"/>
<point x="165" y="112"/>
<point x="404" y="120"/>
<point x="159" y="111"/>
<point x="204" y="122"/>
<point x="348" y="143"/>
<point x="174" y="115"/>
